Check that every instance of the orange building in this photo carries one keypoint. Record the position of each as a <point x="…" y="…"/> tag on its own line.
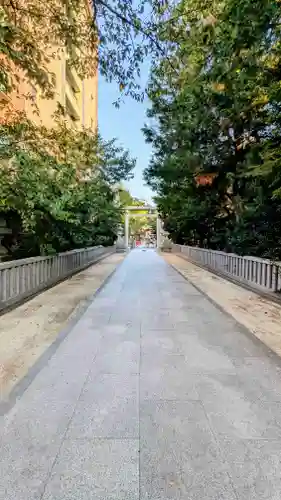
<point x="77" y="97"/>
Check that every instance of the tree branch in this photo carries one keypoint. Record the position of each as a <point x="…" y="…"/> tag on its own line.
<point x="140" y="29"/>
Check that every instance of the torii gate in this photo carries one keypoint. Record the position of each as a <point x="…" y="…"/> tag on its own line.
<point x="152" y="211"/>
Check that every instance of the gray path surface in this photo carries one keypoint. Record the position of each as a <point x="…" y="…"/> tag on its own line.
<point x="155" y="394"/>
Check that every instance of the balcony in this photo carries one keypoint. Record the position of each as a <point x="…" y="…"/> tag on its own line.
<point x="72" y="78"/>
<point x="71" y="103"/>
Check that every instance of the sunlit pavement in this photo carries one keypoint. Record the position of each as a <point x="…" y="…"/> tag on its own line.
<point x="154" y="394"/>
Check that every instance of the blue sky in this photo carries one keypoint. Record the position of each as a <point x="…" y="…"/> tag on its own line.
<point x="125" y="124"/>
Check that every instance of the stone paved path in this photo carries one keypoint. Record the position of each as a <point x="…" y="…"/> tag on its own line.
<point x="28" y="330"/>
<point x="155" y="394"/>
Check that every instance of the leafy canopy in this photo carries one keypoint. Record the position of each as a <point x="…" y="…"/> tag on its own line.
<point x="58" y="187"/>
<point x="215" y="109"/>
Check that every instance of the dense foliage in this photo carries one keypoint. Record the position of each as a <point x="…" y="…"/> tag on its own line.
<point x="58" y="188"/>
<point x="215" y="109"/>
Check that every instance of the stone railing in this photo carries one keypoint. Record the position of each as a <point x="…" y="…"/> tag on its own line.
<point x="256" y="272"/>
<point x="23" y="278"/>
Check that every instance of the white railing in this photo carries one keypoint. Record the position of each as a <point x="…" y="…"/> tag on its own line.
<point x="261" y="273"/>
<point x="23" y="278"/>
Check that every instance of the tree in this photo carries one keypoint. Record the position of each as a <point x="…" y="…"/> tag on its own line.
<point x="217" y="110"/>
<point x="57" y="187"/>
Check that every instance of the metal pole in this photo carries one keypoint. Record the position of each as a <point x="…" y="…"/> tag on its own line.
<point x="158" y="232"/>
<point x="126" y="230"/>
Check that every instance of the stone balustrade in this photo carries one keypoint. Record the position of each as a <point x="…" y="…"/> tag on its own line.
<point x="20" y="279"/>
<point x="254" y="271"/>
